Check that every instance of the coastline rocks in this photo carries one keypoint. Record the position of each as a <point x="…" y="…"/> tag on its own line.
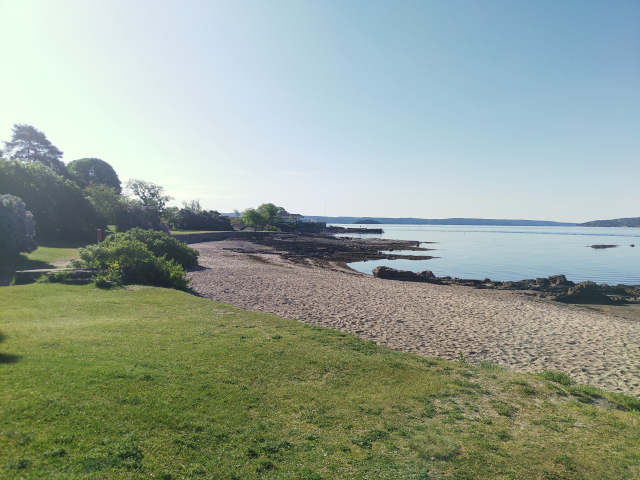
<point x="555" y="287"/>
<point x="389" y="273"/>
<point x="560" y="281"/>
<point x="354" y="230"/>
<point x="587" y="292"/>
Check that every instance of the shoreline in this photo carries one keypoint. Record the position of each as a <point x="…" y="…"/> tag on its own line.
<point x="325" y="246"/>
<point x="515" y="331"/>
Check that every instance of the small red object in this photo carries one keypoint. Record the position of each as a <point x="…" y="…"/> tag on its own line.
<point x="99" y="235"/>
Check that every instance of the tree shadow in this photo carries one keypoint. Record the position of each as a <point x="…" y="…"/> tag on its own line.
<point x="197" y="268"/>
<point x="22" y="262"/>
<point x="7" y="357"/>
<point x="8" y="270"/>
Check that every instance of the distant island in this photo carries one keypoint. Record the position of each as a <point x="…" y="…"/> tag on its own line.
<point x="366" y="221"/>
<point x="443" y="221"/>
<point x="618" y="222"/>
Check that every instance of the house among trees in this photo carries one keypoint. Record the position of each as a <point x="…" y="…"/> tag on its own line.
<point x="290" y="217"/>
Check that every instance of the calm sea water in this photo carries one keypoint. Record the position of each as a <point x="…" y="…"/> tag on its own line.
<point x="517" y="253"/>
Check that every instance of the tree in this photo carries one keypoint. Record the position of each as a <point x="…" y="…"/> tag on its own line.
<point x="203" y="220"/>
<point x="17" y="230"/>
<point x="140" y="216"/>
<point x="149" y="194"/>
<point x="59" y="207"/>
<point x="271" y="211"/>
<point x="193" y="206"/>
<point x="29" y="144"/>
<point x="94" y="170"/>
<point x="105" y="201"/>
<point x="252" y="218"/>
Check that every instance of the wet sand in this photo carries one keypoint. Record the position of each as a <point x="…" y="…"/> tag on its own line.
<point x="518" y="332"/>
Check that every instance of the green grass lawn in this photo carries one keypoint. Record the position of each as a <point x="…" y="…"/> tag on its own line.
<point x="152" y="383"/>
<point x="53" y="256"/>
<point x="42" y="257"/>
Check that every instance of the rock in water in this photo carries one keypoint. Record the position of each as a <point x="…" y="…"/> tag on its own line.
<point x="393" y="274"/>
<point x="560" y="280"/>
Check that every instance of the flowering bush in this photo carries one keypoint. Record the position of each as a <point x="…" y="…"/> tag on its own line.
<point x="17" y="227"/>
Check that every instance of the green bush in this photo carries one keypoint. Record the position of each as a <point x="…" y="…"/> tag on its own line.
<point x="134" y="262"/>
<point x="59" y="207"/>
<point x="160" y="244"/>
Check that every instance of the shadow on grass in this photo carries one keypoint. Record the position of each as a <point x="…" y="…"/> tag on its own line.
<point x="8" y="270"/>
<point x="24" y="263"/>
<point x="63" y="243"/>
<point x="7" y="357"/>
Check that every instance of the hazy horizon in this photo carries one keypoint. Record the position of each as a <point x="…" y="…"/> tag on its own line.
<point x="500" y="109"/>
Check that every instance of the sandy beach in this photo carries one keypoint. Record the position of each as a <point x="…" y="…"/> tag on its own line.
<point x="518" y="332"/>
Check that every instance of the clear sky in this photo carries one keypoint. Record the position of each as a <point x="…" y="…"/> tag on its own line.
<point x="432" y="109"/>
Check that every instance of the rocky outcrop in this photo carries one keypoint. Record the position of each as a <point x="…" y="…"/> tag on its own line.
<point x="393" y="274"/>
<point x="355" y="230"/>
<point x="555" y="287"/>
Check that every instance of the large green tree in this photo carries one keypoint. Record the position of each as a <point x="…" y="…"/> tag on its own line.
<point x="94" y="170"/>
<point x="28" y="144"/>
<point x="252" y="218"/>
<point x="105" y="200"/>
<point x="149" y="194"/>
<point x="59" y="207"/>
<point x="271" y="211"/>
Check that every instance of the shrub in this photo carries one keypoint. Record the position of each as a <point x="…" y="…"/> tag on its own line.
<point x="160" y="244"/>
<point x="187" y="219"/>
<point x="59" y="208"/>
<point x="139" y="216"/>
<point x="17" y="227"/>
<point x="55" y="277"/>
<point x="135" y="263"/>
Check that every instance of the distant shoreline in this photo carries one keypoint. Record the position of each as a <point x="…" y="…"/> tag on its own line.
<point x="446" y="221"/>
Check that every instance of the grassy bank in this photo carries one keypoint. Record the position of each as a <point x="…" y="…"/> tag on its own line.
<point x="43" y="257"/>
<point x="145" y="381"/>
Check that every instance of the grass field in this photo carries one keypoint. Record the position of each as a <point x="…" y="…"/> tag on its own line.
<point x="151" y="383"/>
<point x="42" y="257"/>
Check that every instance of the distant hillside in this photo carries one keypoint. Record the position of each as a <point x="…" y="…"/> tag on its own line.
<point x="366" y="221"/>
<point x="618" y="222"/>
<point x="438" y="221"/>
<point x="448" y="221"/>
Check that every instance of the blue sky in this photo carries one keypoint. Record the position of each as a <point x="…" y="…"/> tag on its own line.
<point x="433" y="109"/>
